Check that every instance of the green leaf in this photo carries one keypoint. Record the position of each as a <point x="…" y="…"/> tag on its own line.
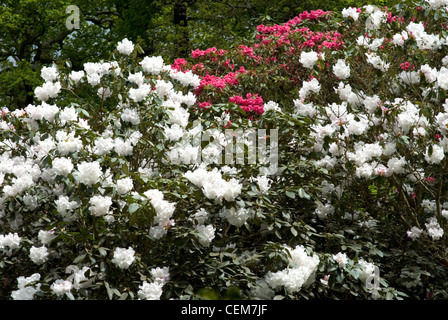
<point x="79" y="258"/>
<point x="110" y="294"/>
<point x="102" y="251"/>
<point x="133" y="207"/>
<point x="290" y="194"/>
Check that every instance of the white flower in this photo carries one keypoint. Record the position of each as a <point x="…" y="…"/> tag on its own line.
<point x="78" y="276"/>
<point x="76" y="76"/>
<point x="376" y="62"/>
<point x="442" y="78"/>
<point x="125" y="47"/>
<point x="174" y="133"/>
<point x="396" y="166"/>
<point x="153" y="65"/>
<point x="308" y="59"/>
<point x="137" y="78"/>
<point x="164" y="88"/>
<point x="130" y="115"/>
<point x="200" y="216"/>
<point x="409" y="77"/>
<point x="437" y="154"/>
<point x="46" y="236"/>
<point x="372" y="103"/>
<point x="414" y="233"/>
<point x="341" y="69"/>
<point x="271" y="105"/>
<point x="236" y="217"/>
<point x="140" y="93"/>
<point x="124" y="185"/>
<point x="309" y="86"/>
<point x="67" y="142"/>
<point x="435" y="4"/>
<point x="186" y="78"/>
<point x="350" y="12"/>
<point x="11" y="240"/>
<point x="122" y="147"/>
<point x="65" y="207"/>
<point x="150" y="291"/>
<point x="375" y="19"/>
<point x="61" y="287"/>
<point x="27" y="287"/>
<point x="323" y="210"/>
<point x="399" y="38"/>
<point x="99" y="205"/>
<point x="47" y="90"/>
<point x="434" y="229"/>
<point x="160" y="275"/>
<point x="206" y="234"/>
<point x="123" y="258"/>
<point x="299" y="273"/>
<point x="39" y="255"/>
<point x="264" y="183"/>
<point x="88" y="173"/>
<point x="62" y="166"/>
<point x="103" y="146"/>
<point x="308" y="110"/>
<point x="104" y="93"/>
<point x="68" y="114"/>
<point x="49" y="74"/>
<point x="430" y="73"/>
<point x="341" y="259"/>
<point x="368" y="269"/>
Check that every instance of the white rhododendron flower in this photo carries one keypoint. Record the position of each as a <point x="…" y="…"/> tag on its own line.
<point x="125" y="47"/>
<point x="123" y="258"/>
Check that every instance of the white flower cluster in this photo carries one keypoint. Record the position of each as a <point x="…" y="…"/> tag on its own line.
<point x="125" y="47"/>
<point x="377" y="62"/>
<point x="206" y="233"/>
<point x="164" y="211"/>
<point x="123" y="258"/>
<point x="309" y="59"/>
<point x="299" y="274"/>
<point x="50" y="89"/>
<point x="350" y="12"/>
<point x="341" y="69"/>
<point x="236" y="216"/>
<point x="100" y="205"/>
<point x="213" y="185"/>
<point x="436" y="4"/>
<point x="154" y="290"/>
<point x="88" y="173"/>
<point x="433" y="228"/>
<point x="187" y="78"/>
<point x="11" y="240"/>
<point x="27" y="287"/>
<point x="39" y="255"/>
<point x="309" y="86"/>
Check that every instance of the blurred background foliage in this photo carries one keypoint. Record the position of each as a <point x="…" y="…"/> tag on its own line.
<point x="33" y="33"/>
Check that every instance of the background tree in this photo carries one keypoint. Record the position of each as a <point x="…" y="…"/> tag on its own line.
<point x="33" y="33"/>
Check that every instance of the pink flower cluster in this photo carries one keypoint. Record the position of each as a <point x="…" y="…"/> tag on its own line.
<point x="251" y="103"/>
<point x="217" y="82"/>
<point x="208" y="52"/>
<point x="179" y="64"/>
<point x="286" y="27"/>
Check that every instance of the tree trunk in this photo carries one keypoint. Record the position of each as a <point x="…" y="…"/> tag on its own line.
<point x="181" y="48"/>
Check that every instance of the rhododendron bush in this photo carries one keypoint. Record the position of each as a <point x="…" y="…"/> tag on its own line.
<point x="115" y="183"/>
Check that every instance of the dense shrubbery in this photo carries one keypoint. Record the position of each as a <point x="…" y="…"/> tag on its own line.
<point x="114" y="184"/>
